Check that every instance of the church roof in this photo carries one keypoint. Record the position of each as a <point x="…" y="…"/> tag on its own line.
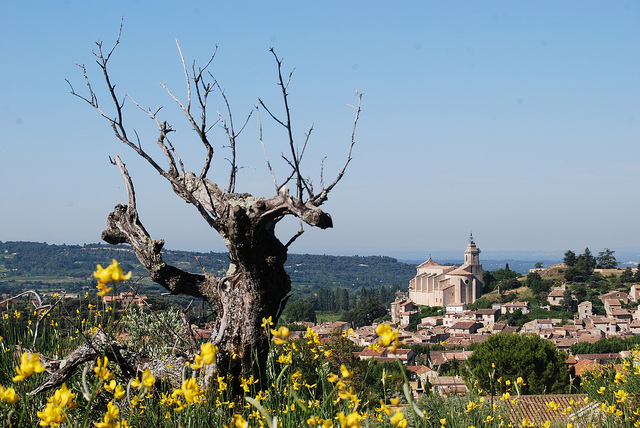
<point x="461" y="271"/>
<point x="429" y="263"/>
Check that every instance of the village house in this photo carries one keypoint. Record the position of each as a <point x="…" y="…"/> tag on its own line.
<point x="487" y="317"/>
<point x="447" y="385"/>
<point x="511" y="307"/>
<point x="539" y="325"/>
<point x="585" y="309"/>
<point x="556" y="296"/>
<point x="125" y="299"/>
<point x="401" y="309"/>
<point x="465" y="327"/>
<point x="615" y="295"/>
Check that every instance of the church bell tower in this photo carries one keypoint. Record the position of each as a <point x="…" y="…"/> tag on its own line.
<point x="472" y="259"/>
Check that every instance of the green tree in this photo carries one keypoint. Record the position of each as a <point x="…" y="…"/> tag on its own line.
<point x="539" y="265"/>
<point x="536" y="284"/>
<point x="509" y="356"/>
<point x="567" y="302"/>
<point x="586" y="261"/>
<point x="569" y="258"/>
<point x="488" y="281"/>
<point x="627" y="275"/>
<point x="606" y="259"/>
<point x="366" y="311"/>
<point x="299" y="311"/>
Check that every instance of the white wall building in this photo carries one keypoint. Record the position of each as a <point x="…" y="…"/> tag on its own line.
<point x="437" y="285"/>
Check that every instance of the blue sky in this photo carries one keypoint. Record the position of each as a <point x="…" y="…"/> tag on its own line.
<point x="518" y="121"/>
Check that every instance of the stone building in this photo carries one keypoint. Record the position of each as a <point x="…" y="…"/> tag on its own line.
<point x="438" y="285"/>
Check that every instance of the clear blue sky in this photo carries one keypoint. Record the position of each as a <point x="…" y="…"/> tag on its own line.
<point x="518" y="121"/>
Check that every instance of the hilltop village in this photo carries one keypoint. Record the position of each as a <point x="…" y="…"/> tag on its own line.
<point x="458" y="328"/>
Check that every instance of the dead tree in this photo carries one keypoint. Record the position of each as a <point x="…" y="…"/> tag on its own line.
<point x="255" y="285"/>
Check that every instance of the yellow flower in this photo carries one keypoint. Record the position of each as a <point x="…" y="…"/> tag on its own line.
<point x="239" y="421"/>
<point x="352" y="420"/>
<point x="553" y="406"/>
<point x="63" y="397"/>
<point x="280" y="335"/>
<point x="103" y="289"/>
<point x="520" y="381"/>
<point x="472" y="405"/>
<point x="266" y="322"/>
<point x="51" y="416"/>
<point x="346" y="374"/>
<point x="9" y="395"/>
<point x="398" y="420"/>
<point x="29" y="364"/>
<point x="388" y="337"/>
<point x="147" y="378"/>
<point x="119" y="392"/>
<point x="191" y="391"/>
<point x="111" y="273"/>
<point x="207" y="356"/>
<point x="110" y="417"/>
<point x="101" y="369"/>
<point x="333" y="377"/>
<point x="621" y="395"/>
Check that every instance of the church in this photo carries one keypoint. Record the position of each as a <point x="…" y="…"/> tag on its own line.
<point x="438" y="285"/>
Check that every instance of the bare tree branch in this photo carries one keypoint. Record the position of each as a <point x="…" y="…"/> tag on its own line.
<point x="320" y="198"/>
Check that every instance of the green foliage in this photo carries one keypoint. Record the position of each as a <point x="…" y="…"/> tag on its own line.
<point x="509" y="356"/>
<point x="582" y="268"/>
<point x="299" y="311"/>
<point x="609" y="345"/>
<point x="606" y="259"/>
<point x="366" y="311"/>
<point x="569" y="258"/>
<point x="537" y="284"/>
<point x="627" y="275"/>
<point x="155" y="333"/>
<point x="481" y="303"/>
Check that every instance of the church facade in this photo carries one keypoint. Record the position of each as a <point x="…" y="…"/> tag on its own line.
<point x="438" y="285"/>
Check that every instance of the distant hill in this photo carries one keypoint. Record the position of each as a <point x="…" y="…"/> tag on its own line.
<point x="33" y="261"/>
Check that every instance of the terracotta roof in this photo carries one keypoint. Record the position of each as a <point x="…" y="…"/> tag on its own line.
<point x="534" y="407"/>
<point x="464" y="325"/>
<point x="419" y="369"/>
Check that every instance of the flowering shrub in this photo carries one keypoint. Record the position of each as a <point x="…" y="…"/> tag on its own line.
<point x="309" y="383"/>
